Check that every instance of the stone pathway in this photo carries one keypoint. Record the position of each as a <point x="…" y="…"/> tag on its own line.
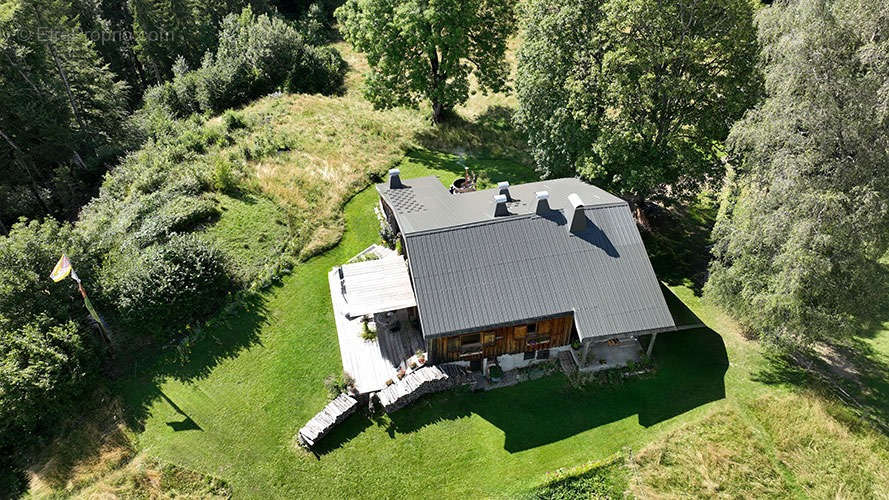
<point x="566" y="361"/>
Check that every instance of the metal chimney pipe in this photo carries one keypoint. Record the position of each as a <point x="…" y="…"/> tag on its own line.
<point x="577" y="220"/>
<point x="542" y="203"/>
<point x="500" y="205"/>
<point x="503" y="188"/>
<point x="395" y="179"/>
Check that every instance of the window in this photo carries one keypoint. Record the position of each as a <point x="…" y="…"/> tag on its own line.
<point x="532" y="329"/>
<point x="529" y="355"/>
<point x="543" y="354"/>
<point x="473" y="338"/>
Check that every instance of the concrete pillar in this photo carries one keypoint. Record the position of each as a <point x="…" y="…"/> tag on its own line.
<point x="586" y="352"/>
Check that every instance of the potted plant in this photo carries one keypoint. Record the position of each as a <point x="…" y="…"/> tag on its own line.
<point x="400" y="373"/>
<point x="496" y="373"/>
<point x="421" y="357"/>
<point x="413" y="365"/>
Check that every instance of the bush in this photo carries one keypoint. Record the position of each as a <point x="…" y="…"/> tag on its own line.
<point x="224" y="178"/>
<point x="366" y="332"/>
<point x="257" y="55"/>
<point x="168" y="286"/>
<point x="232" y="120"/>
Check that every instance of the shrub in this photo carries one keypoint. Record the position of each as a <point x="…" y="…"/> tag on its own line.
<point x="321" y="70"/>
<point x="233" y="120"/>
<point x="366" y="332"/>
<point x="168" y="286"/>
<point x="257" y="55"/>
<point x="386" y="233"/>
<point x="224" y="178"/>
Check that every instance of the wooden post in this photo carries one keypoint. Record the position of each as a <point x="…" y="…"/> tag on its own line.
<point x="651" y="344"/>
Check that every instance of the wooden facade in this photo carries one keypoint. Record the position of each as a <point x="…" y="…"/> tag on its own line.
<point x="543" y="334"/>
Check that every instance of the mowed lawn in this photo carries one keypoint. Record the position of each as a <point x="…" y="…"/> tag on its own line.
<point x="257" y="376"/>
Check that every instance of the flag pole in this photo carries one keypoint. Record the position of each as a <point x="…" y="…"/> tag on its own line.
<point x="103" y="327"/>
<point x="63" y="270"/>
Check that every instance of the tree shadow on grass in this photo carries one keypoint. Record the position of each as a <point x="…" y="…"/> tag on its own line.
<point x="678" y="244"/>
<point x="491" y="133"/>
<point x="691" y="370"/>
<point x="490" y="170"/>
<point x="849" y="370"/>
<point x="228" y="333"/>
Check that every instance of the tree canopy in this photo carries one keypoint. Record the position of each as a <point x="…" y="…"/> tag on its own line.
<point x="420" y="49"/>
<point x="805" y="215"/>
<point x="635" y="94"/>
<point x="61" y="110"/>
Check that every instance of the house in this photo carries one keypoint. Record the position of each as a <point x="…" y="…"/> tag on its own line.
<point x="509" y="275"/>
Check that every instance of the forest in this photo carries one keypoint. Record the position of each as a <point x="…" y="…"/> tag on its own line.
<point x="150" y="142"/>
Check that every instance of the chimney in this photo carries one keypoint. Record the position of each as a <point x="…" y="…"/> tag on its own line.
<point x="503" y="188"/>
<point x="500" y="205"/>
<point x="542" y="203"/>
<point x="577" y="218"/>
<point x="395" y="179"/>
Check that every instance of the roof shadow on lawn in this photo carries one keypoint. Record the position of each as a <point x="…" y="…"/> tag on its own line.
<point x="140" y="385"/>
<point x="691" y="371"/>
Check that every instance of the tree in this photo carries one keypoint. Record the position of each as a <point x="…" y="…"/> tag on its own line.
<point x="165" y="30"/>
<point x="427" y="49"/>
<point x="61" y="111"/>
<point x="635" y="94"/>
<point x="46" y="354"/>
<point x="805" y="214"/>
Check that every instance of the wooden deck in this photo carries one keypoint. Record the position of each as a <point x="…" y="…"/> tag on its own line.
<point x="371" y="363"/>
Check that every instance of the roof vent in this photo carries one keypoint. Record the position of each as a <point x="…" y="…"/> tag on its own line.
<point x="395" y="179"/>
<point x="577" y="221"/>
<point x="542" y="203"/>
<point x="503" y="188"/>
<point x="500" y="205"/>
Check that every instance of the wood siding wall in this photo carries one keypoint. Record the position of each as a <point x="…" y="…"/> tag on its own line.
<point x="506" y="340"/>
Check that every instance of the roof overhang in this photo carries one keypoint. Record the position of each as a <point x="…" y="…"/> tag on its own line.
<point x="376" y="286"/>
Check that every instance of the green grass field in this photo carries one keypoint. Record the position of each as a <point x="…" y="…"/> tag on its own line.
<point x="257" y="376"/>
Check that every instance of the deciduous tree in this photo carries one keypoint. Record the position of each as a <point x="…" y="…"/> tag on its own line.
<point x="427" y="49"/>
<point x="635" y="94"/>
<point x="805" y="216"/>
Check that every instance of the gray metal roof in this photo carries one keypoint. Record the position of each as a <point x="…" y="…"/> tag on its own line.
<point x="424" y="203"/>
<point x="496" y="271"/>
